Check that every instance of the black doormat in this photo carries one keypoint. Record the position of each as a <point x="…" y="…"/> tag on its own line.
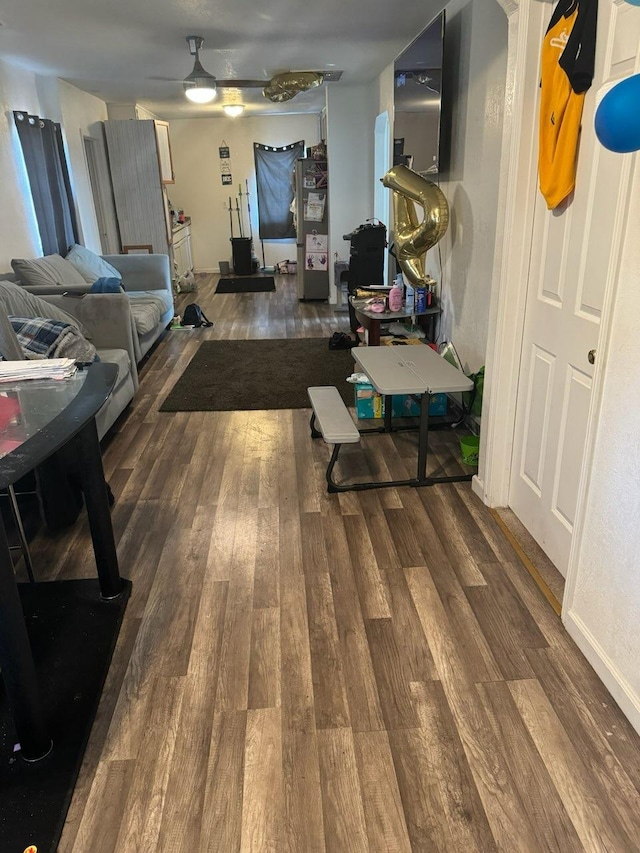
<point x="252" y="284"/>
<point x="73" y="633"/>
<point x="231" y="376"/>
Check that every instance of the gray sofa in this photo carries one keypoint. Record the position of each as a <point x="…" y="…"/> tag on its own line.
<point x="105" y="319"/>
<point x="148" y="293"/>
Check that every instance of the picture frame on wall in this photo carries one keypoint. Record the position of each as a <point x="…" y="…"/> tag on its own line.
<point x="137" y="250"/>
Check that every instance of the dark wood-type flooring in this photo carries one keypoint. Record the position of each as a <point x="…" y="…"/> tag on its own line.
<point x="303" y="672"/>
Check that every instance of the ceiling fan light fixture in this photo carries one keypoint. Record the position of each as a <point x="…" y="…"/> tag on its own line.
<point x="233" y="110"/>
<point x="199" y="93"/>
<point x="200" y="86"/>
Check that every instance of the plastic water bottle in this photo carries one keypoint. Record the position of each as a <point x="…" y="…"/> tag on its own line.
<point x="410" y="297"/>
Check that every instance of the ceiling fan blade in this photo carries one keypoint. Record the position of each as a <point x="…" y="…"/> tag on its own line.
<point x="241" y="84"/>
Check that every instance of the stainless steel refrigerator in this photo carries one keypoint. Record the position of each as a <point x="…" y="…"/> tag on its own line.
<point x="312" y="228"/>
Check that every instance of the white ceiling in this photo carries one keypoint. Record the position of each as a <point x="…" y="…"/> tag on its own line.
<point x="134" y="51"/>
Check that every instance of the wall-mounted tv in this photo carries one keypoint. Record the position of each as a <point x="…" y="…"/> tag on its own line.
<point x="417" y="125"/>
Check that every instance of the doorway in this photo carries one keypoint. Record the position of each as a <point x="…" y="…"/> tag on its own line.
<point x="552" y="296"/>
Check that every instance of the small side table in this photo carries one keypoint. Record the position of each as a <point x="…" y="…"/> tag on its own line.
<point x="372" y="320"/>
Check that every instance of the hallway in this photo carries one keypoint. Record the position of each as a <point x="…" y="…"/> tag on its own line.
<point x="307" y="672"/>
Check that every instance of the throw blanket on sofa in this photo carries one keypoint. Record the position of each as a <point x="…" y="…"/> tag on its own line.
<point x="42" y="338"/>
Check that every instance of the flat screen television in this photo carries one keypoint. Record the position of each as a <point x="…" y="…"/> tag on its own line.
<point x="418" y="128"/>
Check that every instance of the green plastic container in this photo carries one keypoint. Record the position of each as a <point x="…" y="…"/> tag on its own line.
<point x="470" y="447"/>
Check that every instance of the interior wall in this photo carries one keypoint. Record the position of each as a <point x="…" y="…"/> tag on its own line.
<point x="199" y="191"/>
<point x="476" y="43"/>
<point x="122" y="112"/>
<point x="18" y="227"/>
<point x="351" y="112"/>
<point x="78" y="113"/>
<point x="603" y="591"/>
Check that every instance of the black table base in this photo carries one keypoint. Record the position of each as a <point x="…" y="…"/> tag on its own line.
<point x="72" y="631"/>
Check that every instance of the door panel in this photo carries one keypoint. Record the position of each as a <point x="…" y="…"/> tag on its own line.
<point x="571" y="441"/>
<point x="538" y="409"/>
<point x="573" y="252"/>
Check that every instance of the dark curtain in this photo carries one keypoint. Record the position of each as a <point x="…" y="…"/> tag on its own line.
<point x="275" y="179"/>
<point x="41" y="141"/>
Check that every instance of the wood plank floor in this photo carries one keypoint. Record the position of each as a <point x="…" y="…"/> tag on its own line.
<point x="303" y="672"/>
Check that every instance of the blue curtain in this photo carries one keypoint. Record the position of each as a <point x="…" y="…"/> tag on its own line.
<point x="43" y="150"/>
<point x="275" y="180"/>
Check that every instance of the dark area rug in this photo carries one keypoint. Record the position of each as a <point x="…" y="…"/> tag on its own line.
<point x="73" y="633"/>
<point x="230" y="376"/>
<point x="250" y="284"/>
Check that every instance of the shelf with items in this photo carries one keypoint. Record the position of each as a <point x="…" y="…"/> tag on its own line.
<point x="373" y="320"/>
<point x="316" y="175"/>
<point x="182" y="258"/>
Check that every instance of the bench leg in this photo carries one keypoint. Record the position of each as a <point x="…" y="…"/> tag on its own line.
<point x="331" y="486"/>
<point x="312" y="425"/>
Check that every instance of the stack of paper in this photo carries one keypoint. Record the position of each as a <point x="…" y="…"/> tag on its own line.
<point x="46" y="368"/>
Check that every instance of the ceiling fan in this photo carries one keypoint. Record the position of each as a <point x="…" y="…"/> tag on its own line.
<point x="200" y="86"/>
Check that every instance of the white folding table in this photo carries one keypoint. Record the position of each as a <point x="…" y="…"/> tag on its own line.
<point x="416" y="370"/>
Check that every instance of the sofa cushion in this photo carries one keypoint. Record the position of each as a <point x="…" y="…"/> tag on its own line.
<point x="19" y="302"/>
<point x="90" y="266"/>
<point x="147" y="307"/>
<point x="163" y="298"/>
<point x="52" y="269"/>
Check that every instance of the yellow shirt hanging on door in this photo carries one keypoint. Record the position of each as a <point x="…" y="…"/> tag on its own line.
<point x="567" y="61"/>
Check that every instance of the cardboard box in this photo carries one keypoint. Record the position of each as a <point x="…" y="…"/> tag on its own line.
<point x="438" y="405"/>
<point x="370" y="404"/>
<point x="394" y="341"/>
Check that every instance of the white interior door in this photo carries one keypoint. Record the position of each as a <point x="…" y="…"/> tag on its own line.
<point x="574" y="252"/>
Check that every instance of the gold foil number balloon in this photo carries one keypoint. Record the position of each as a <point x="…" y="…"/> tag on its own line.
<point x="414" y="238"/>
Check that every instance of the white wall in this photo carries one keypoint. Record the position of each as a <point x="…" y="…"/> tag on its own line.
<point x="351" y="112"/>
<point x="477" y="42"/>
<point x="122" y="112"/>
<point x="78" y="113"/>
<point x="198" y="188"/>
<point x="603" y="596"/>
<point x="476" y="34"/>
<point x="18" y="227"/>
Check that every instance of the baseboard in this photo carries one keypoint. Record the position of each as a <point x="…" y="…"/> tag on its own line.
<point x="477" y="487"/>
<point x="606" y="670"/>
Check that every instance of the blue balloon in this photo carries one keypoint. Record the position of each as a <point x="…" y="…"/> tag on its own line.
<point x="617" y="120"/>
<point x="634" y="2"/>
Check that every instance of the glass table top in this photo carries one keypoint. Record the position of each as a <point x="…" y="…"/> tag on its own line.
<point x="29" y="406"/>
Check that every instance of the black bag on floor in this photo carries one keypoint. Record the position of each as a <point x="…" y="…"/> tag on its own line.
<point x="194" y="316"/>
